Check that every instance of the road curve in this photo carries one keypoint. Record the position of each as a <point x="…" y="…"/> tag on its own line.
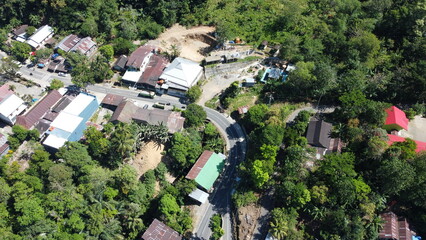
<point x="220" y="199"/>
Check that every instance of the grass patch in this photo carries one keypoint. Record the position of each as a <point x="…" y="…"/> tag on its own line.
<point x="212" y="103"/>
<point x="249" y="59"/>
<point x="248" y="98"/>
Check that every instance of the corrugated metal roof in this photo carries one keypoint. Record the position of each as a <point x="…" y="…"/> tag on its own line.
<point x="202" y="160"/>
<point x="5" y="92"/>
<point x="318" y="133"/>
<point x="68" y="42"/>
<point x="160" y="231"/>
<point x="154" y="70"/>
<point x="136" y="58"/>
<point x="121" y="61"/>
<point x="124" y="112"/>
<point x="396" y="116"/>
<point x="199" y="195"/>
<point x="211" y="171"/>
<point x="112" y="99"/>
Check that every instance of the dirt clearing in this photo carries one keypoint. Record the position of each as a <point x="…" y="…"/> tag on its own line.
<point x="190" y="41"/>
<point x="147" y="158"/>
<point x="246" y="221"/>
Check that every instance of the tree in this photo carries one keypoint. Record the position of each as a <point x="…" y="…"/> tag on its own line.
<point x="89" y="27"/>
<point x="255" y="116"/>
<point x="194" y="93"/>
<point x="168" y="206"/>
<point x="60" y="177"/>
<point x="284" y="223"/>
<point x="216" y="227"/>
<point x="107" y="51"/>
<point x="195" y="115"/>
<point x="75" y="155"/>
<point x="82" y="75"/>
<point x="122" y="46"/>
<point x="55" y="84"/>
<point x="98" y="145"/>
<point x="100" y="69"/>
<point x="20" y="50"/>
<point x="44" y="53"/>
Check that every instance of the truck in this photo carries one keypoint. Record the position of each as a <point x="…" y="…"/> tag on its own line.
<point x="146" y="94"/>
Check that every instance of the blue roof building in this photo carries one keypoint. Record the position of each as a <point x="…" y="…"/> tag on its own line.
<point x="70" y="124"/>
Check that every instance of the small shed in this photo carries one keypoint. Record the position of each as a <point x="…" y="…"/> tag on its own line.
<point x="249" y="82"/>
<point x="263" y="45"/>
<point x="242" y="110"/>
<point x="199" y="195"/>
<point x="120" y="64"/>
<point x="213" y="59"/>
<point x="396" y="119"/>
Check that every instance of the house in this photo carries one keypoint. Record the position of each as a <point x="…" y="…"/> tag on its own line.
<point x="136" y="64"/>
<point x="396" y="119"/>
<point x="179" y="76"/>
<point x="41" y="36"/>
<point x="395" y="228"/>
<point x="111" y="101"/>
<point x="69" y="120"/>
<point x="318" y="136"/>
<point x="36" y="113"/>
<point x="160" y="231"/>
<point x="172" y="120"/>
<point x="73" y="43"/>
<point x="127" y="111"/>
<point x="421" y="146"/>
<point x="4" y="147"/>
<point x="10" y="108"/>
<point x="20" y="33"/>
<point x="149" y="78"/>
<point x="207" y="169"/>
<point x="120" y="64"/>
<point x="124" y="112"/>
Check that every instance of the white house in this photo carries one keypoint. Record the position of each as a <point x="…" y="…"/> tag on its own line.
<point x="10" y="108"/>
<point x="40" y="37"/>
<point x="180" y="75"/>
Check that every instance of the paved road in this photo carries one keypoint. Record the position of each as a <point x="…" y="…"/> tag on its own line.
<point x="220" y="199"/>
<point x="42" y="76"/>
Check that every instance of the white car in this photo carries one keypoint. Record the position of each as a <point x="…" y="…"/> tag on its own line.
<point x="61" y="74"/>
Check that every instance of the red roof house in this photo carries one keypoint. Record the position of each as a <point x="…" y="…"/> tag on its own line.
<point x="421" y="146"/>
<point x="160" y="231"/>
<point x="396" y="119"/>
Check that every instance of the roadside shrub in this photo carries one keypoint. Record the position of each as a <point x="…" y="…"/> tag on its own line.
<point x="243" y="199"/>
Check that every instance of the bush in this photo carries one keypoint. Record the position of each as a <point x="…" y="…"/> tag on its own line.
<point x="216" y="227"/>
<point x="243" y="199"/>
<point x="194" y="93"/>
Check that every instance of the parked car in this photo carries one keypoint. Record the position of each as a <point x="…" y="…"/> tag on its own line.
<point x="146" y="94"/>
<point x="55" y="55"/>
<point x="61" y="74"/>
<point x="30" y="65"/>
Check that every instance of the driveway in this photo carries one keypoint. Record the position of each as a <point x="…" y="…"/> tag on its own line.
<point x="416" y="129"/>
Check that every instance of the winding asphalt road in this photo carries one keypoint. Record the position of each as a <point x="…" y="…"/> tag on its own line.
<point x="220" y="199"/>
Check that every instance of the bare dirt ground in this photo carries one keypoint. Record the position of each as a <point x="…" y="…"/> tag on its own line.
<point x="416" y="129"/>
<point x="147" y="158"/>
<point x="22" y="155"/>
<point x="220" y="82"/>
<point x="246" y="221"/>
<point x="189" y="41"/>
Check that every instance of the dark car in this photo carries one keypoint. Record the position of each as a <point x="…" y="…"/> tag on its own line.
<point x="30" y="65"/>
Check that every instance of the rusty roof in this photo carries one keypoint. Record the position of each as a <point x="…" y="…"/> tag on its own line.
<point x="37" y="112"/>
<point x="112" y="99"/>
<point x="160" y="231"/>
<point x="20" y="30"/>
<point x="85" y="46"/>
<point x="136" y="58"/>
<point x="124" y="112"/>
<point x="198" y="166"/>
<point x="172" y="120"/>
<point x="154" y="70"/>
<point x="68" y="42"/>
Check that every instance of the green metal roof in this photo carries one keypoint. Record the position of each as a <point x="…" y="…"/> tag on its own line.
<point x="211" y="171"/>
